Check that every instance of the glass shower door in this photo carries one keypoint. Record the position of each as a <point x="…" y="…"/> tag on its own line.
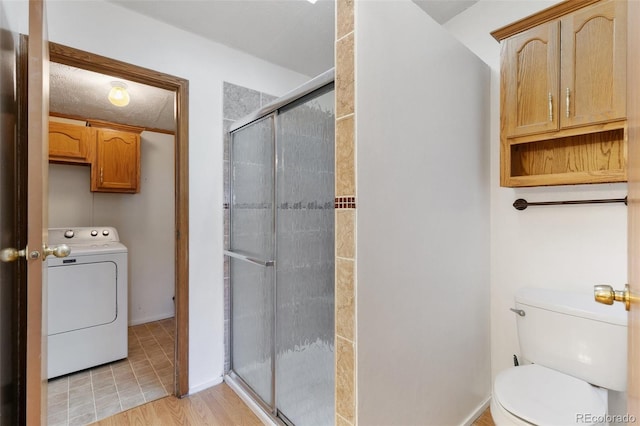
<point x="252" y="251"/>
<point x="281" y="253"/>
<point x="305" y="262"/>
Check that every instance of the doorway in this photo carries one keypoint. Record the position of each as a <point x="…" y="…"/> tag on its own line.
<point x="99" y="64"/>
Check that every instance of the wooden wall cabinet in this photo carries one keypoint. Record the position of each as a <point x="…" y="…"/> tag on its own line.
<point x="113" y="153"/>
<point x="563" y="95"/>
<point x="117" y="162"/>
<point x="69" y="143"/>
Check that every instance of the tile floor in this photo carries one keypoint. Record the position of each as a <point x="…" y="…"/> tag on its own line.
<point x="93" y="394"/>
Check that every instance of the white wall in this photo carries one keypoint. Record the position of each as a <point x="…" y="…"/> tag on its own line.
<point x="422" y="220"/>
<point x="89" y="25"/>
<point x="146" y="225"/>
<point x="17" y="15"/>
<point x="565" y="247"/>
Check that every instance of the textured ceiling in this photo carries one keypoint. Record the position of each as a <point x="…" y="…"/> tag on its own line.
<point x="83" y="94"/>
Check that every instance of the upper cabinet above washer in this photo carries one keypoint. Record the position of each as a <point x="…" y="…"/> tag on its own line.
<point x="112" y="150"/>
<point x="563" y="95"/>
<point x="70" y="144"/>
<point x="117" y="165"/>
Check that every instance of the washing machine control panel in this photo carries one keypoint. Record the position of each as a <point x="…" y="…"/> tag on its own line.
<point x="85" y="235"/>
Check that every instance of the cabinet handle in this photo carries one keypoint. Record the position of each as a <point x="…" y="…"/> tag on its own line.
<point x="101" y="176"/>
<point x="550" y="107"/>
<point x="568" y="102"/>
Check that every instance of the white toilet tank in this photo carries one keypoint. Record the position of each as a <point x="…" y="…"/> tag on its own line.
<point x="572" y="333"/>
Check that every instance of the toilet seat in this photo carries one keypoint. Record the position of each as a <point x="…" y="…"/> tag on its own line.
<point x="543" y="396"/>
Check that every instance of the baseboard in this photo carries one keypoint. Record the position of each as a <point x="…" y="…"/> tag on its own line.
<point x="205" y="385"/>
<point x="150" y="319"/>
<point x="253" y="406"/>
<point x="477" y="412"/>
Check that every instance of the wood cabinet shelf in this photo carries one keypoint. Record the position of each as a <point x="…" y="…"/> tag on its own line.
<point x="563" y="95"/>
<point x="596" y="157"/>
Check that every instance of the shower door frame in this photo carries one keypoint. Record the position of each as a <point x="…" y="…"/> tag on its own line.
<point x="322" y="83"/>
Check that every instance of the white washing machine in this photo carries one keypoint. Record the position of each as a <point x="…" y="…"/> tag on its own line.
<point x="87" y="300"/>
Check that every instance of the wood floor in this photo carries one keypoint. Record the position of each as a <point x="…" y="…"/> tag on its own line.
<point x="485" y="419"/>
<point x="218" y="405"/>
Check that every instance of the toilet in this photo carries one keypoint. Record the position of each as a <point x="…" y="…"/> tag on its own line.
<point x="575" y="351"/>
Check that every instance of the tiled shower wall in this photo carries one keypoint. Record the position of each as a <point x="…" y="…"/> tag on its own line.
<point x="238" y="102"/>
<point x="345" y="217"/>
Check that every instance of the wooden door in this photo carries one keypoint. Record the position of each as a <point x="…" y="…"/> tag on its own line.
<point x="594" y="54"/>
<point x="37" y="168"/>
<point x="12" y="228"/>
<point x="117" y="167"/>
<point x="530" y="74"/>
<point x="633" y="117"/>
<point x="24" y="220"/>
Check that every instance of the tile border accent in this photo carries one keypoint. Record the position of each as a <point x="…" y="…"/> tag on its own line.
<point x="345" y="203"/>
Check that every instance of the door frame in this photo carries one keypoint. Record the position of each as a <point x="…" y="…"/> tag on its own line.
<point x="101" y="64"/>
<point x="633" y="226"/>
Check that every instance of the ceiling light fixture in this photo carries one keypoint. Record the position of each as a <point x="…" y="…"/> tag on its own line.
<point x="118" y="94"/>
<point x="312" y="1"/>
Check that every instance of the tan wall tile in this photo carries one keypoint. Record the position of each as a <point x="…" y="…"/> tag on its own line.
<point x="345" y="225"/>
<point x="344" y="76"/>
<point x="342" y="422"/>
<point x="345" y="218"/>
<point x="345" y="171"/>
<point x="345" y="389"/>
<point x="344" y="15"/>
<point x="345" y="308"/>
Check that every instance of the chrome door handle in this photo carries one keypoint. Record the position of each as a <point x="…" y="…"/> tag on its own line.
<point x="61" y="250"/>
<point x="518" y="311"/>
<point x="607" y="295"/>
<point x="249" y="259"/>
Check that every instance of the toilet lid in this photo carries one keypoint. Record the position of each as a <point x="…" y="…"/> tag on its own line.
<point x="543" y="396"/>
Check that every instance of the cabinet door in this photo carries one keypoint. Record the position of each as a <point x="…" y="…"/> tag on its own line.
<point x="530" y="74"/>
<point x="594" y="62"/>
<point x="117" y="166"/>
<point x="70" y="143"/>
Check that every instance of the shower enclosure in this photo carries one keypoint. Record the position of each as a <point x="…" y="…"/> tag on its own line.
<point x="281" y="251"/>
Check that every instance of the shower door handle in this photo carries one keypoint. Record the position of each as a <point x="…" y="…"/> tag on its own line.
<point x="250" y="259"/>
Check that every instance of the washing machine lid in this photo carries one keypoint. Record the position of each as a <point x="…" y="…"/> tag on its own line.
<point x="543" y="396"/>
